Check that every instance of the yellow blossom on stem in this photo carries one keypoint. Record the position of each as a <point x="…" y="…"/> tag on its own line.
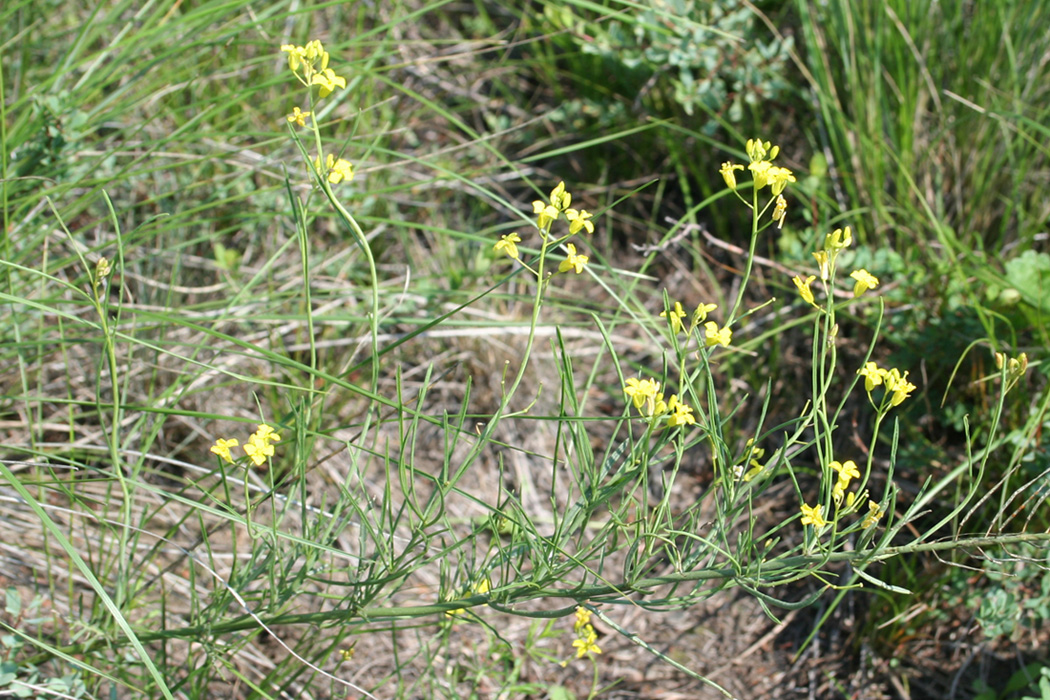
<point x="803" y="288"/>
<point x="560" y="199"/>
<point x="728" y="175"/>
<point x="839" y="239"/>
<point x="760" y="172"/>
<point x="717" y="336"/>
<point x="823" y="264"/>
<point x="846" y="470"/>
<point x="779" y="178"/>
<point x="702" y="310"/>
<point x="573" y="262"/>
<point x="898" y="386"/>
<point x="222" y="448"/>
<point x="779" y="210"/>
<point x="507" y="244"/>
<point x="865" y="281"/>
<point x="641" y="390"/>
<point x="758" y="149"/>
<point x="258" y="451"/>
<point x="811" y="516"/>
<point x="677" y="314"/>
<point x="579" y="220"/>
<point x="328" y="81"/>
<point x="337" y="169"/>
<point x="583" y="618"/>
<point x="872" y="375"/>
<point x="681" y="414"/>
<point x="545" y="214"/>
<point x="874" y="513"/>
<point x="586" y="642"/>
<point x="298" y="116"/>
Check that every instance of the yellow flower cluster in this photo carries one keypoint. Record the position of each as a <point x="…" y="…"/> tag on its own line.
<point x="310" y="65"/>
<point x="756" y="453"/>
<point x="846" y="471"/>
<point x="258" y="448"/>
<point x="337" y="169"/>
<point x="897" y="385"/>
<point x="586" y="638"/>
<point x="811" y="515"/>
<point x="874" y="513"/>
<point x="834" y="243"/>
<point x="698" y="317"/>
<point x="646" y="397"/>
<point x="546" y="214"/>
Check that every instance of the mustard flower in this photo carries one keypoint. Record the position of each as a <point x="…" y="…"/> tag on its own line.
<point x="779" y="178"/>
<point x="728" y="175"/>
<point x="641" y="390"/>
<point x="779" y="210"/>
<point x="874" y="513"/>
<point x="573" y="262"/>
<point x="258" y="451"/>
<point x="839" y="239"/>
<point x="760" y="171"/>
<point x="264" y="433"/>
<point x="757" y="150"/>
<point x="579" y="220"/>
<point x="222" y="448"/>
<point x="872" y="375"/>
<point x="507" y="244"/>
<point x="681" y="414"/>
<point x="823" y="264"/>
<point x="702" y="310"/>
<point x="812" y="516"/>
<point x="583" y="618"/>
<point x="296" y="55"/>
<point x="328" y="81"/>
<point x="298" y="117"/>
<point x="545" y="214"/>
<point x="677" y="314"/>
<point x="865" y="281"/>
<point x="757" y="453"/>
<point x="337" y="169"/>
<point x="586" y="642"/>
<point x="803" y="288"/>
<point x="846" y="470"/>
<point x="898" y="386"/>
<point x="716" y="336"/>
<point x="560" y="199"/>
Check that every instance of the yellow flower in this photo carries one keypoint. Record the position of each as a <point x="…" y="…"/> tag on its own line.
<point x="757" y="150"/>
<point x="681" y="414"/>
<point x="296" y="55"/>
<point x="298" y="116"/>
<point x="560" y="199"/>
<point x="874" y="513"/>
<point x="898" y="386"/>
<point x="328" y="81"/>
<point x="811" y="516"/>
<point x="222" y="448"/>
<point x="779" y="210"/>
<point x="846" y="471"/>
<point x="507" y="245"/>
<point x="803" y="288"/>
<point x="716" y="336"/>
<point x="265" y="433"/>
<point x="824" y="264"/>
<point x="778" y="178"/>
<point x="872" y="375"/>
<point x="760" y="171"/>
<point x="583" y="618"/>
<point x="258" y="450"/>
<point x="728" y="175"/>
<point x="865" y="281"/>
<point x="573" y="262"/>
<point x="838" y="239"/>
<point x="585" y="644"/>
<point x="579" y="220"/>
<point x="640" y="390"/>
<point x="338" y="170"/>
<point x="347" y="653"/>
<point x="677" y="314"/>
<point x="702" y="310"/>
<point x="545" y="214"/>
